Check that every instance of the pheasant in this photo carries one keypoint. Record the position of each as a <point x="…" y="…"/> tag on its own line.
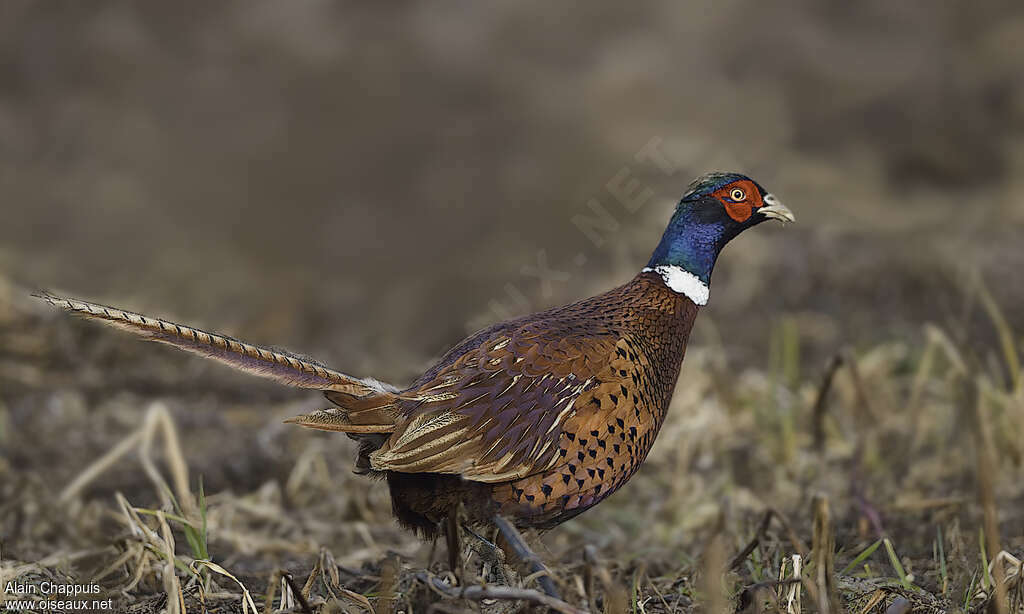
<point x="533" y="420"/>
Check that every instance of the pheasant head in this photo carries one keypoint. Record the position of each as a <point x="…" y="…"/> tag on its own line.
<point x="714" y="210"/>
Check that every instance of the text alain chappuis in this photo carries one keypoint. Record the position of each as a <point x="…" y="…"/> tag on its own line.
<point x="47" y="595"/>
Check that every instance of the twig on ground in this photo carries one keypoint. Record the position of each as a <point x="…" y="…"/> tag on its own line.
<point x="504" y="593"/>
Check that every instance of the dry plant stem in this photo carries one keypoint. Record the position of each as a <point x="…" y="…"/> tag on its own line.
<point x="505" y="593"/>
<point x="1003" y="330"/>
<point x="271" y="594"/>
<point x="737" y="560"/>
<point x="129" y="553"/>
<point x="866" y="420"/>
<point x="355" y="598"/>
<point x="794" y="540"/>
<point x="594" y="570"/>
<point x="823" y="555"/>
<point x="792" y="595"/>
<point x="867" y="413"/>
<point x="654" y="587"/>
<point x="523" y="553"/>
<point x="247" y="601"/>
<point x="972" y="404"/>
<point x="821" y="402"/>
<point x="157" y="419"/>
<point x="330" y="566"/>
<point x="590" y="567"/>
<point x="105" y="462"/>
<point x="297" y="593"/>
<point x="752" y="593"/>
<point x="307" y="588"/>
<point x="771" y="584"/>
<point x="389" y="579"/>
<point x="175" y="599"/>
<point x="717" y="601"/>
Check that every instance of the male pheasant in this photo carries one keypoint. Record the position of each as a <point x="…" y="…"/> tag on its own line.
<point x="535" y="419"/>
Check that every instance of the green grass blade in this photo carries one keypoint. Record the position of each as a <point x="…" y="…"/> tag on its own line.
<point x="861" y="557"/>
<point x="970" y="591"/>
<point x="986" y="579"/>
<point x="203" y="531"/>
<point x="943" y="571"/>
<point x="896" y="565"/>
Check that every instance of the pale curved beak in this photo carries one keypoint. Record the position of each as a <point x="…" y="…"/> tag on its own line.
<point x="774" y="209"/>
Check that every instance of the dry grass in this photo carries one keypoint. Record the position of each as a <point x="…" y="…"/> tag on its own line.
<point x="888" y="481"/>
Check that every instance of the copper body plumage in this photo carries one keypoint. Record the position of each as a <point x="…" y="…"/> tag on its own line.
<point x="541" y="417"/>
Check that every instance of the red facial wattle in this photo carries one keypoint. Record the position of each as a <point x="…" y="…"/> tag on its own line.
<point x="740" y="199"/>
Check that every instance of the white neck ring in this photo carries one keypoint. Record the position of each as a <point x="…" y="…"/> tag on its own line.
<point x="681" y="281"/>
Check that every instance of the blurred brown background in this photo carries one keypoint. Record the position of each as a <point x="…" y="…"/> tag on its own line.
<point x="367" y="182"/>
<point x="361" y="182"/>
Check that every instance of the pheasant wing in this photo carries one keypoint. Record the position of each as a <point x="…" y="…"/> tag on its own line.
<point x="496" y="412"/>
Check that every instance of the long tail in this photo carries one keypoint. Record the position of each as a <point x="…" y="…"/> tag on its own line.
<point x="278" y="365"/>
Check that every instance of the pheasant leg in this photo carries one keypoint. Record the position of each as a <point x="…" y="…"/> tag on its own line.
<point x="523" y="553"/>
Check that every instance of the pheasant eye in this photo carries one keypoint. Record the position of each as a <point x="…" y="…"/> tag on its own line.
<point x="737" y="194"/>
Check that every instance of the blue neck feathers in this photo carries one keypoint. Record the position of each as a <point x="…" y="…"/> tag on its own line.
<point x="690" y="243"/>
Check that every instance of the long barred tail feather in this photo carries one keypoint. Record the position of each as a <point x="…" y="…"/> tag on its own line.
<point x="282" y="366"/>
